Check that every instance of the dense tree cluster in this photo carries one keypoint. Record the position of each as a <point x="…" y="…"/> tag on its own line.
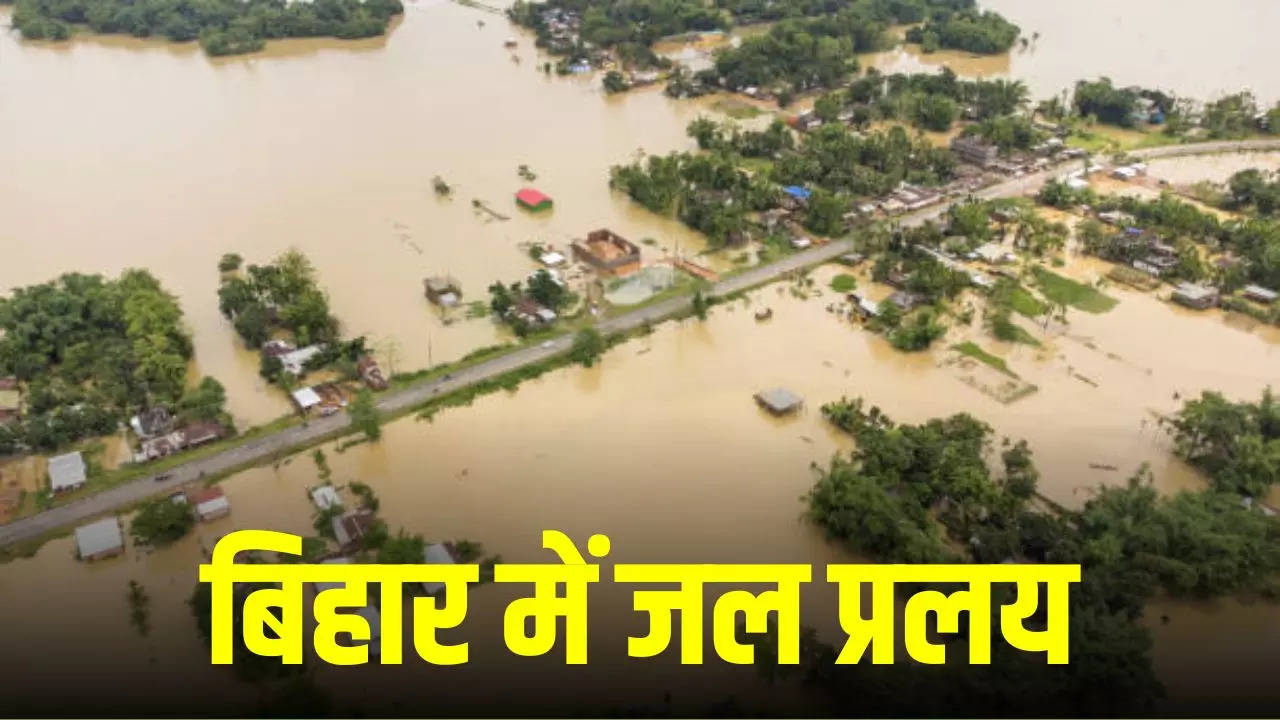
<point x="1236" y="443"/>
<point x="282" y="295"/>
<point x="802" y="54"/>
<point x="870" y="164"/>
<point x="610" y="23"/>
<point x="224" y="27"/>
<point x="929" y="100"/>
<point x="542" y="288"/>
<point x="969" y="30"/>
<point x="162" y="521"/>
<point x="1010" y="132"/>
<point x="924" y="493"/>
<point x="89" y="351"/>
<point x="1256" y="189"/>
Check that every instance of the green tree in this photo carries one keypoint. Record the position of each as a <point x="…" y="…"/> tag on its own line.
<point x="588" y="346"/>
<point x="206" y="401"/>
<point x="364" y="414"/>
<point x="162" y="521"/>
<point x="230" y="262"/>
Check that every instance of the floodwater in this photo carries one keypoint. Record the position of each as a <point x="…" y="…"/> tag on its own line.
<point x="662" y="448"/>
<point x="152" y="155"/>
<point x="1138" y="42"/>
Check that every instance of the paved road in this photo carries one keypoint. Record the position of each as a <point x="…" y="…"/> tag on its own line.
<point x="266" y="449"/>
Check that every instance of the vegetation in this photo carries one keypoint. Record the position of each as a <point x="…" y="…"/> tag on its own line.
<point x="1008" y="132"/>
<point x="1237" y="444"/>
<point x="925" y="493"/>
<point x="139" y="608"/>
<point x="230" y="262"/>
<point x="282" y="295"/>
<point x="224" y="27"/>
<point x="162" y="521"/>
<point x="542" y="288"/>
<point x="588" y="346"/>
<point x="364" y="414"/>
<point x="90" y="351"/>
<point x="1069" y="292"/>
<point x="971" y="349"/>
<point x="988" y="32"/>
<point x="917" y="332"/>
<point x="1255" y="189"/>
<point x="844" y="283"/>
<point x="931" y="101"/>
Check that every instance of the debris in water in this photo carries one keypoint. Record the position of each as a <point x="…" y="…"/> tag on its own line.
<point x="1084" y="379"/>
<point x="807" y="439"/>
<point x="1100" y="466"/>
<point x="441" y="187"/>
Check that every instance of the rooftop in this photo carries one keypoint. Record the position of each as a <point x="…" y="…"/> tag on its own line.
<point x="99" y="537"/>
<point x="326" y="497"/>
<point x="797" y="192"/>
<point x="778" y="400"/>
<point x="66" y="471"/>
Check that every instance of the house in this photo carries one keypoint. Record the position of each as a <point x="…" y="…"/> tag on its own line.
<point x="851" y="259"/>
<point x="368" y="611"/>
<point x="1115" y="217"/>
<point x="436" y="554"/>
<point x="1156" y="264"/>
<point x="1076" y="183"/>
<point x="995" y="254"/>
<point x="295" y="362"/>
<point x="99" y="540"/>
<point x="905" y="299"/>
<point x="66" y="472"/>
<point x="211" y="504"/>
<point x="10" y="400"/>
<point x="529" y="311"/>
<point x="1257" y="293"/>
<point x="199" y="433"/>
<point x="350" y="527"/>
<point x="800" y="242"/>
<point x="154" y="448"/>
<point x="973" y="150"/>
<point x="1195" y="296"/>
<point x="305" y="398"/>
<point x="328" y="397"/>
<point x="980" y="280"/>
<point x="531" y="199"/>
<point x="915" y="198"/>
<point x="778" y="401"/>
<point x="865" y="307"/>
<point x="1124" y="173"/>
<point x="370" y="373"/>
<point x="151" y="422"/>
<point x="442" y="290"/>
<point x="608" y="253"/>
<point x="325" y="497"/>
<point x="277" y="348"/>
<point x="797" y="195"/>
<point x="552" y="258"/>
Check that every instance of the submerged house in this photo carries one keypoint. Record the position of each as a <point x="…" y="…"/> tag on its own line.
<point x="778" y="401"/>
<point x="211" y="504"/>
<point x="99" y="540"/>
<point x="370" y="373"/>
<point x="442" y="290"/>
<point x="531" y="199"/>
<point x="1194" y="296"/>
<point x="608" y="253"/>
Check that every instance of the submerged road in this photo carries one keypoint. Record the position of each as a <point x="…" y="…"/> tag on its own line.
<point x="276" y="445"/>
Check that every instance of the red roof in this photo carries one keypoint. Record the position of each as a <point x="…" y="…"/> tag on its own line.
<point x="531" y="197"/>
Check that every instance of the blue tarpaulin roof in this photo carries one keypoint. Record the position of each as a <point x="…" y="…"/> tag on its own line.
<point x="796" y="191"/>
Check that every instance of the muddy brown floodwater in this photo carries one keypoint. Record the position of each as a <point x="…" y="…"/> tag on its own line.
<point x="121" y="153"/>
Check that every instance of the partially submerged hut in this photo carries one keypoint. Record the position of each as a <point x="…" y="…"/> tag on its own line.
<point x="779" y="401"/>
<point x="531" y="199"/>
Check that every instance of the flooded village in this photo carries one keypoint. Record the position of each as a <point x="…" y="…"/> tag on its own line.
<point x="437" y="328"/>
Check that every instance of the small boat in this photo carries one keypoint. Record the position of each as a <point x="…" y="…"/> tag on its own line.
<point x="765" y="314"/>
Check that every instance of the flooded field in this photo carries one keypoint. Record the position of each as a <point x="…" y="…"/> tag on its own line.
<point x="662" y="448"/>
<point x="1139" y="42"/>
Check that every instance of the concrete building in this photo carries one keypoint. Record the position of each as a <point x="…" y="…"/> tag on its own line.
<point x="608" y="253"/>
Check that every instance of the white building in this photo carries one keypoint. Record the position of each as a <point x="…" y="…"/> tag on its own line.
<point x="293" y="362"/>
<point x="66" y="472"/>
<point x="325" y="497"/>
<point x="305" y="398"/>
